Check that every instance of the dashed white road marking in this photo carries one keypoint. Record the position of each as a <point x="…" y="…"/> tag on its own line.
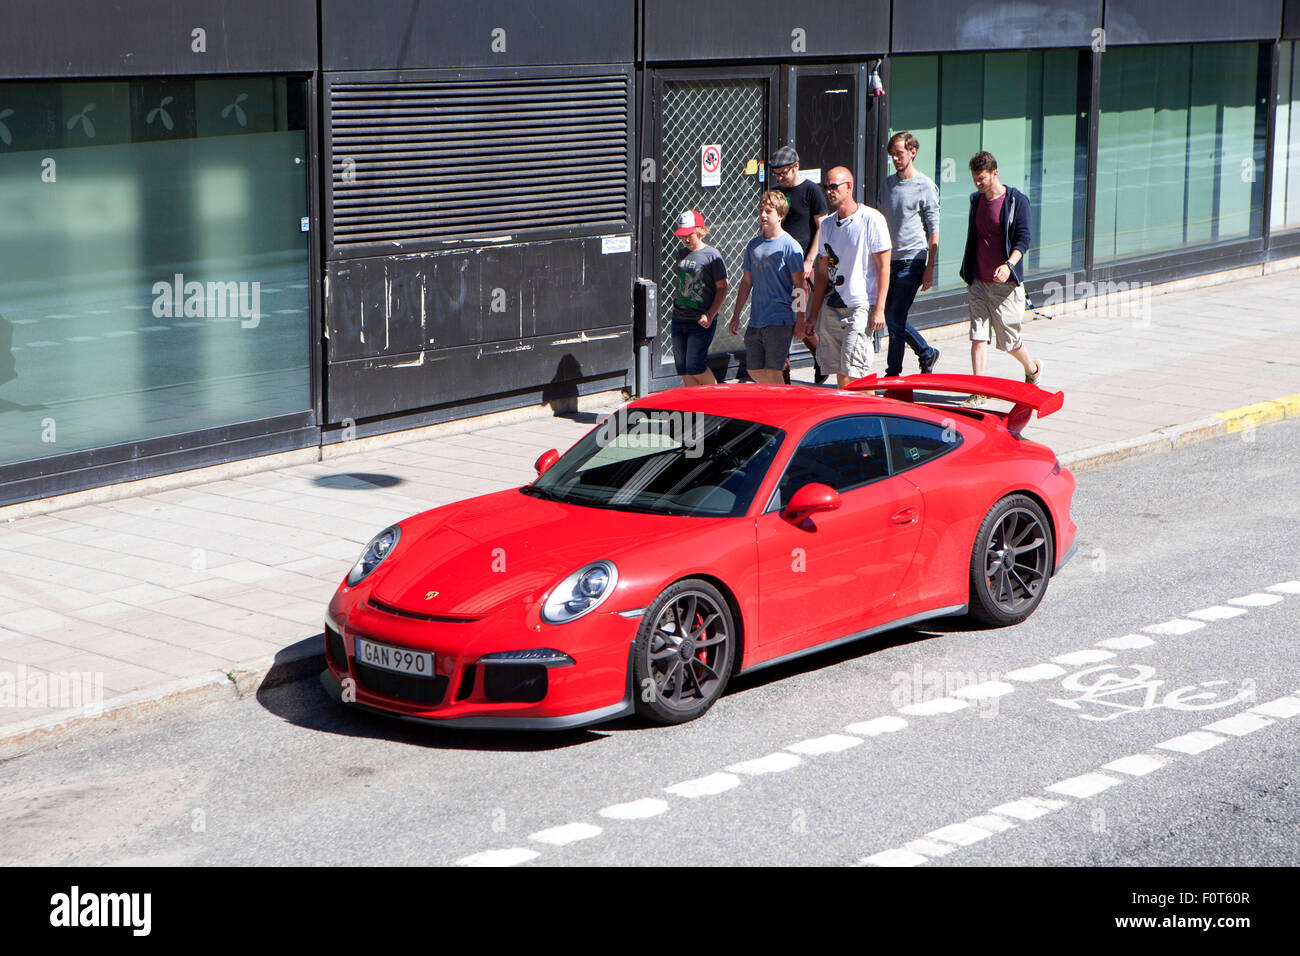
<point x="569" y="833"/>
<point x="989" y="688"/>
<point x="928" y="847"/>
<point x="709" y="786"/>
<point x="1198" y="741"/>
<point x="511" y="857"/>
<point x="772" y="763"/>
<point x="894" y="858"/>
<point x="1077" y="658"/>
<point x="1138" y="765"/>
<point x="991" y="822"/>
<point x="962" y="834"/>
<point x="1129" y="642"/>
<point x="829" y="744"/>
<point x="1239" y="725"/>
<point x="1084" y="785"/>
<point x="1037" y="672"/>
<point x="1028" y="808"/>
<point x="880" y="725"/>
<point x="1283" y="707"/>
<point x="636" y="810"/>
<point x="1218" y="612"/>
<point x="1258" y="599"/>
<point x="1179" y="625"/>
<point x="1285" y="587"/>
<point x="928" y="708"/>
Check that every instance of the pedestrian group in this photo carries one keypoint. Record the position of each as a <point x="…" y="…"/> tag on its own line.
<point x="837" y="274"/>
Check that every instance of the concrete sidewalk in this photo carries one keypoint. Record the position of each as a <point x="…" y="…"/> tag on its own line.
<point x="115" y="610"/>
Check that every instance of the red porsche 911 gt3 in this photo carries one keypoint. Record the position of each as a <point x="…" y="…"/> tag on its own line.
<point x="700" y="533"/>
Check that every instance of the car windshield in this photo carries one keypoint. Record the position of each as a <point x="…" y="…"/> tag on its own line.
<point x="664" y="462"/>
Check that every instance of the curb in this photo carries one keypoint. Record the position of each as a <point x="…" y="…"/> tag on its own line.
<point x="1244" y="419"/>
<point x="306" y="659"/>
<point x="295" y="662"/>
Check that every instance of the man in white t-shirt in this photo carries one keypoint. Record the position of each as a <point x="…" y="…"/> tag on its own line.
<point x="853" y="249"/>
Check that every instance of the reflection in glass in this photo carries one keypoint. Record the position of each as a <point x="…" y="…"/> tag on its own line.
<point x="114" y="195"/>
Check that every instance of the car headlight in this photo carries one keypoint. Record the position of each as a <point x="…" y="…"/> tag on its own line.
<point x="380" y="547"/>
<point x="581" y="592"/>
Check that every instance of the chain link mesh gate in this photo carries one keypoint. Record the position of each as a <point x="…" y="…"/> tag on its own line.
<point x="733" y="114"/>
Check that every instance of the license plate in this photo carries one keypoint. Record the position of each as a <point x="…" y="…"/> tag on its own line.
<point x="400" y="659"/>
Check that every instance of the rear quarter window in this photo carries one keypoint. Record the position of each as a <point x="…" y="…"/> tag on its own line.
<point x="913" y="442"/>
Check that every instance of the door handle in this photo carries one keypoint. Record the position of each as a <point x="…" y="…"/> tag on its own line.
<point x="906" y="516"/>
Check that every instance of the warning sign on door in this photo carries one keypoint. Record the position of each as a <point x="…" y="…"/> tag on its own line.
<point x="711" y="165"/>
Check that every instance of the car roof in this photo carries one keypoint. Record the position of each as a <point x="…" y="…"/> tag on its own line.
<point x="782" y="406"/>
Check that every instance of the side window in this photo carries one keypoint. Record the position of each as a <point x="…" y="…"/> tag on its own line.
<point x="845" y="454"/>
<point x="913" y="442"/>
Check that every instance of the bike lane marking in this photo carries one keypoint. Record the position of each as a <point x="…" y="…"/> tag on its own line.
<point x="722" y="782"/>
<point x="1175" y="628"/>
<point x="1138" y="765"/>
<point x="1081" y="787"/>
<point x="1258" y="599"/>
<point x="1084" y="785"/>
<point x="1129" y="642"/>
<point x="1196" y="742"/>
<point x="510" y="857"/>
<point x="566" y="834"/>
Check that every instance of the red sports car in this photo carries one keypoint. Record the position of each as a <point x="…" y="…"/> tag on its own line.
<point x="700" y="533"/>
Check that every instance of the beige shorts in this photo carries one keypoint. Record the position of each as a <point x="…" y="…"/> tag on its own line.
<point x="1000" y="305"/>
<point x="844" y="341"/>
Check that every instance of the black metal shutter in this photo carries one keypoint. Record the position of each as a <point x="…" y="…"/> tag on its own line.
<point x="418" y="161"/>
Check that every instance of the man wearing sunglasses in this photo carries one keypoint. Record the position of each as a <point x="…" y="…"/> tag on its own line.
<point x="853" y="249"/>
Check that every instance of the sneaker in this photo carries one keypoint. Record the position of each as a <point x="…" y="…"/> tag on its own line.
<point x="1032" y="379"/>
<point x="928" y="360"/>
<point x="975" y="401"/>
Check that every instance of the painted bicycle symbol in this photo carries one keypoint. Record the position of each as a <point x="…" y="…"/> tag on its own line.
<point x="1106" y="695"/>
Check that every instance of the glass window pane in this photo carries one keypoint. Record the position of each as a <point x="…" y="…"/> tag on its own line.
<point x="1025" y="108"/>
<point x="1178" y="154"/>
<point x="155" y="276"/>
<point x="1286" y="141"/>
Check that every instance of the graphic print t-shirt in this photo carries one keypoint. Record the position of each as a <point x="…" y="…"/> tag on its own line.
<point x="695" y="278"/>
<point x="847" y="245"/>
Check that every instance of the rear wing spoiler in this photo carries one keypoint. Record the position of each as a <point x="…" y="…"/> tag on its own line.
<point x="1025" y="398"/>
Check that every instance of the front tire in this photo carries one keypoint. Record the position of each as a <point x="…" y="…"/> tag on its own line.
<point x="683" y="654"/>
<point x="1011" y="562"/>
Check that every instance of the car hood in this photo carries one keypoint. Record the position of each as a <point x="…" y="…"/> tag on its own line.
<point x="470" y="558"/>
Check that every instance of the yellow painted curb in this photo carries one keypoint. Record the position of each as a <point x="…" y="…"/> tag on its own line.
<point x="1249" y="416"/>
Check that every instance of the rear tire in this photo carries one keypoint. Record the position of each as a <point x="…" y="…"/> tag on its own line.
<point x="1011" y="562"/>
<point x="683" y="654"/>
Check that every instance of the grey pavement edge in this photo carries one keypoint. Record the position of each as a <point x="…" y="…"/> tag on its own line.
<point x="206" y="592"/>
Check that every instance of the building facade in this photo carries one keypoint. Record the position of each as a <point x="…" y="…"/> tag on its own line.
<point x="229" y="229"/>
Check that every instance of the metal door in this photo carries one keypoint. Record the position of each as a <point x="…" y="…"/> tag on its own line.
<point x="733" y="111"/>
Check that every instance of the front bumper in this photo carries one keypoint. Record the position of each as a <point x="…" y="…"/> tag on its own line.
<point x="464" y="690"/>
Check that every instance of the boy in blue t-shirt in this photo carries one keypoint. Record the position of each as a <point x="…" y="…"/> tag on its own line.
<point x="774" y="271"/>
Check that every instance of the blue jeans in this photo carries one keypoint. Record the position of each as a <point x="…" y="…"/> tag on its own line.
<point x="904" y="281"/>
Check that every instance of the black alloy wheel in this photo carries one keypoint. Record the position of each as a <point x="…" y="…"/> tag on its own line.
<point x="684" y="652"/>
<point x="1011" y="562"/>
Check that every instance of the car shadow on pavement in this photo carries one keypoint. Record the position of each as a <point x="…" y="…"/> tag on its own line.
<point x="306" y="703"/>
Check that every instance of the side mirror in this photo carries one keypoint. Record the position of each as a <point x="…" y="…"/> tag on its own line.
<point x="809" y="500"/>
<point x="547" y="459"/>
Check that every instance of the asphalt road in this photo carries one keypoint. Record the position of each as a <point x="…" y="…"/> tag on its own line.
<point x="963" y="747"/>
